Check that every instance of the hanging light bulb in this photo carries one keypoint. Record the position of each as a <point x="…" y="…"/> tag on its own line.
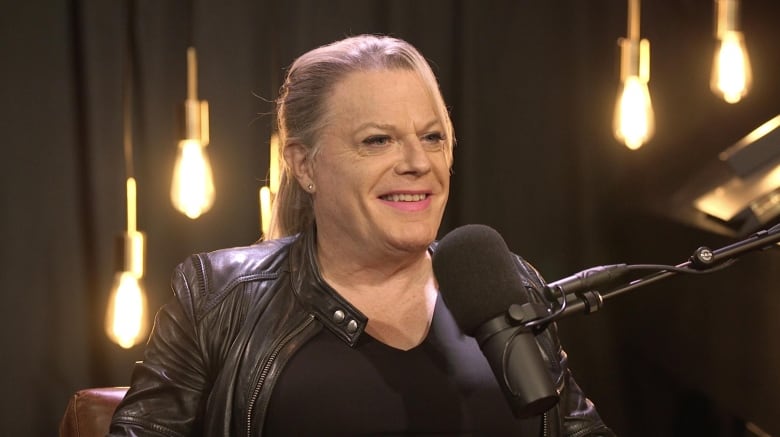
<point x="192" y="188"/>
<point x="634" y="120"/>
<point x="268" y="193"/>
<point x="731" y="73"/>
<point x="125" y="320"/>
<point x="126" y="317"/>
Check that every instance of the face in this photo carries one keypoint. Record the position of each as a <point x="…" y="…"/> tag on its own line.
<point x="381" y="172"/>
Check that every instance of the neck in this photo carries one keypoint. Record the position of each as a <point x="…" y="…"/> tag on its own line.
<point x="368" y="274"/>
<point x="398" y="295"/>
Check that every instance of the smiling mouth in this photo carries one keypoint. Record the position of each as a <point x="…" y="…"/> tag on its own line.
<point x="404" y="197"/>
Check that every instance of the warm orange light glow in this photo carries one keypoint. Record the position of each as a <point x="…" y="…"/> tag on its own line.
<point x="265" y="210"/>
<point x="134" y="240"/>
<point x="731" y="74"/>
<point x="634" y="121"/>
<point x="267" y="193"/>
<point x="126" y="316"/>
<point x="192" y="189"/>
<point x="273" y="171"/>
<point x="131" y="204"/>
<point x="634" y="118"/>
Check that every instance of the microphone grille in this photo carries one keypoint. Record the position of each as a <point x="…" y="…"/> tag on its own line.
<point x="477" y="275"/>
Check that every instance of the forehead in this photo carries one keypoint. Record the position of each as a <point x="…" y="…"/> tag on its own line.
<point x="380" y="93"/>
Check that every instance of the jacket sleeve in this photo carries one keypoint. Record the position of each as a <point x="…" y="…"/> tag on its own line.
<point x="575" y="414"/>
<point x="166" y="394"/>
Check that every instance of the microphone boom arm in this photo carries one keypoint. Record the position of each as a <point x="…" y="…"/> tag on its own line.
<point x="703" y="260"/>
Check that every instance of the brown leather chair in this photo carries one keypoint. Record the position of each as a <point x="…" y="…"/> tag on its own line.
<point x="89" y="411"/>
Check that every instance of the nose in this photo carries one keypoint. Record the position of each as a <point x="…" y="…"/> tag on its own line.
<point x="414" y="159"/>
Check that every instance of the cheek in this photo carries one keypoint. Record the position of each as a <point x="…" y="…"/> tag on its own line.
<point x="441" y="166"/>
<point x="342" y="184"/>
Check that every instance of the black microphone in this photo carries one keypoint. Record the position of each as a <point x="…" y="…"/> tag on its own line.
<point x="481" y="285"/>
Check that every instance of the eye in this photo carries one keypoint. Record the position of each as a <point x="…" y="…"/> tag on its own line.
<point x="377" y="140"/>
<point x="433" y="139"/>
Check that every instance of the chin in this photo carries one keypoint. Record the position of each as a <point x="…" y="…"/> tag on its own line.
<point x="415" y="240"/>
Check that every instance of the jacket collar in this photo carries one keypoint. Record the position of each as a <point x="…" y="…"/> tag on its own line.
<point x="329" y="307"/>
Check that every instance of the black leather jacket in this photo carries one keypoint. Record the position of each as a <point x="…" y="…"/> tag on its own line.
<point x="239" y="314"/>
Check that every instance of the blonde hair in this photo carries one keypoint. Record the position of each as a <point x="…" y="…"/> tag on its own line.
<point x="301" y="109"/>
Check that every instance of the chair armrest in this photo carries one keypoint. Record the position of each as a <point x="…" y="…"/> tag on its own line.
<point x="89" y="411"/>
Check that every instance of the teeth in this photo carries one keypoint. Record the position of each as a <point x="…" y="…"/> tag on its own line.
<point x="405" y="197"/>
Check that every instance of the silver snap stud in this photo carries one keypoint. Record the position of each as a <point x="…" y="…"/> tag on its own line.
<point x="352" y="326"/>
<point x="339" y="316"/>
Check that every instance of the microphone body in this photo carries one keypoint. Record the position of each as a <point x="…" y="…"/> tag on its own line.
<point x="521" y="373"/>
<point x="480" y="283"/>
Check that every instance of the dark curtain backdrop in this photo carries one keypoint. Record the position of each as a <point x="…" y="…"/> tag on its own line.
<point x="531" y="86"/>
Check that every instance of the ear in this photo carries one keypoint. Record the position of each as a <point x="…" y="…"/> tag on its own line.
<point x="297" y="157"/>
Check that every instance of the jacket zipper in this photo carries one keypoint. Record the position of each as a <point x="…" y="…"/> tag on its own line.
<point x="267" y="368"/>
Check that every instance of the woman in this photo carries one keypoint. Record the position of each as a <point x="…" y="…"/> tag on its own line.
<point x="334" y="326"/>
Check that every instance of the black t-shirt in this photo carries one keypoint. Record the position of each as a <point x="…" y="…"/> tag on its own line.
<point x="444" y="386"/>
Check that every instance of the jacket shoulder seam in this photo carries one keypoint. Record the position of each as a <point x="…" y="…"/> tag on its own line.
<point x="252" y="263"/>
<point x="213" y="299"/>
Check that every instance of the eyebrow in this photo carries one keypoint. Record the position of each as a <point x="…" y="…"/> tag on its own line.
<point x="386" y="126"/>
<point x="369" y="124"/>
